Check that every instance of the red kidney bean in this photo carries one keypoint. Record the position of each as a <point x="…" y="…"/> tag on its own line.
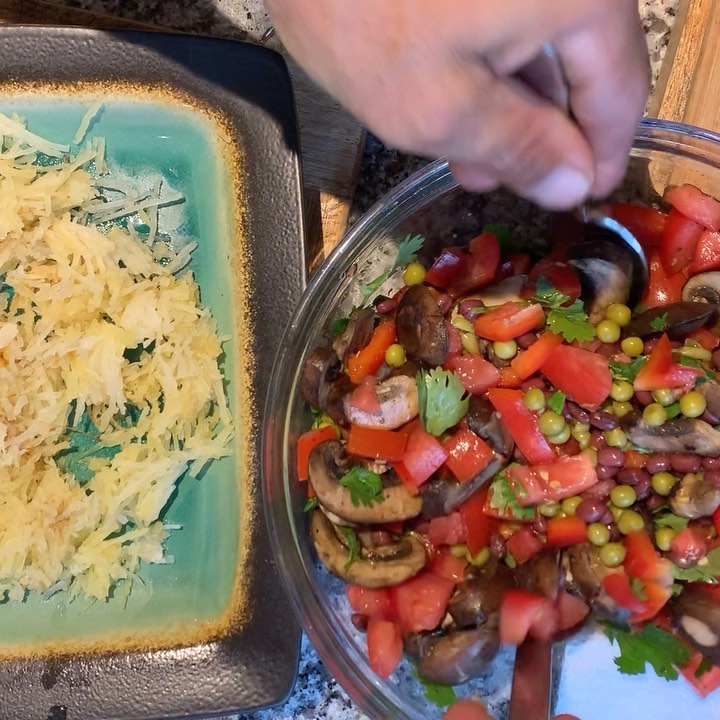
<point x="540" y="525"/>
<point x="360" y="621"/>
<point x="642" y="487"/>
<point x="654" y="501"/>
<point x="470" y="308"/>
<point x="644" y="397"/>
<point x="580" y="414"/>
<point x="444" y="302"/>
<point x="712" y="477"/>
<point x="715" y="357"/>
<point x="649" y="345"/>
<point x="632" y="476"/>
<point x="597" y="440"/>
<point x="607" y="517"/>
<point x="600" y="490"/>
<point x="533" y="382"/>
<point x="711" y="463"/>
<point x="603" y="420"/>
<point x="692" y="549"/>
<point x="709" y="418"/>
<point x="591" y="510"/>
<point x="615" y="534"/>
<point x="612" y="457"/>
<point x="526" y="340"/>
<point x="685" y="462"/>
<point x="658" y="463"/>
<point x="605" y="472"/>
<point x="386" y="306"/>
<point x="379" y="538"/>
<point x="497" y="545"/>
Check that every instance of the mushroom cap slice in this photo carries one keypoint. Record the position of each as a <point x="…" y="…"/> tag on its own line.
<point x="677" y="435"/>
<point x="327" y="467"/>
<point x="697" y="616"/>
<point x="421" y="327"/>
<point x="704" y="287"/>
<point x="398" y="398"/>
<point x="399" y="562"/>
<point x="695" y="497"/>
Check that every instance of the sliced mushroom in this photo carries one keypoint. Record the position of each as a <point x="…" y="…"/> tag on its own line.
<point x="695" y="497"/>
<point x="704" y="288"/>
<point x="476" y="600"/>
<point x="337" y="394"/>
<point x="697" y="616"/>
<point x="398" y="562"/>
<point x="679" y="319"/>
<point x="711" y="392"/>
<point x="455" y="657"/>
<point x="506" y="290"/>
<point x="328" y="464"/>
<point x="677" y="435"/>
<point x="541" y="574"/>
<point x="398" y="398"/>
<point x="484" y="421"/>
<point x="421" y="327"/>
<point x="321" y="369"/>
<point x="357" y="334"/>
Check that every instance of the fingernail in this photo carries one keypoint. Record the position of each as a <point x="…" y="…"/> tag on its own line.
<point x="563" y="188"/>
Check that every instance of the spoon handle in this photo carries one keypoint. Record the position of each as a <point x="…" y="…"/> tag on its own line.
<point x="532" y="681"/>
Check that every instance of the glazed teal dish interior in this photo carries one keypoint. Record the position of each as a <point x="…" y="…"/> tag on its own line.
<point x="587" y="683"/>
<point x="147" y="141"/>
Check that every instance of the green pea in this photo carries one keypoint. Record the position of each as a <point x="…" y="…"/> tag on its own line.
<point x="621" y="390"/>
<point x="663" y="538"/>
<point x="598" y="534"/>
<point x="618" y="313"/>
<point x="583" y="439"/>
<point x="615" y="437"/>
<point x="550" y="423"/>
<point x="395" y="355"/>
<point x="619" y="409"/>
<point x="534" y="399"/>
<point x="569" y="505"/>
<point x="623" y="496"/>
<point x="549" y="509"/>
<point x="663" y="483"/>
<point x="654" y="414"/>
<point x="608" y="331"/>
<point x="632" y="346"/>
<point x="630" y="521"/>
<point x="505" y="350"/>
<point x="664" y="396"/>
<point x="693" y="404"/>
<point x="562" y="437"/>
<point x="612" y="554"/>
<point x="414" y="274"/>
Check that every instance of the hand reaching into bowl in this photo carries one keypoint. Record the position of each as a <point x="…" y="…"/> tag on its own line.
<point x="437" y="79"/>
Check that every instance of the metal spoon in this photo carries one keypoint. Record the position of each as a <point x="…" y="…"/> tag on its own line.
<point x="545" y="76"/>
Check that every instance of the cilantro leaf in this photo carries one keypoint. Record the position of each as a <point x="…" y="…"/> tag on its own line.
<point x="339" y="325"/>
<point x="365" y="486"/>
<point x="510" y="561"/>
<point x="670" y="520"/>
<point x="556" y="402"/>
<point x="442" y="401"/>
<point x="502" y="498"/>
<point x="311" y="504"/>
<point x="570" y="321"/>
<point x="352" y="543"/>
<point x="627" y="371"/>
<point x="707" y="569"/>
<point x="408" y="248"/>
<point x="652" y="645"/>
<point x="440" y="695"/>
<point x="672" y="410"/>
<point x="659" y="323"/>
<point x="705" y="666"/>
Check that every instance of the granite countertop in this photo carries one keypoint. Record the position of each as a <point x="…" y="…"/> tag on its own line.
<point x="316" y="694"/>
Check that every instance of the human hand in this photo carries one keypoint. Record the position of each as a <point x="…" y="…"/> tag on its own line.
<point x="436" y="79"/>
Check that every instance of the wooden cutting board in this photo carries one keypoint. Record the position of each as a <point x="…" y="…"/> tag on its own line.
<point x="331" y="140"/>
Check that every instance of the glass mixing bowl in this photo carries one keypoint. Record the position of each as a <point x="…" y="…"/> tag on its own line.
<point x="430" y="203"/>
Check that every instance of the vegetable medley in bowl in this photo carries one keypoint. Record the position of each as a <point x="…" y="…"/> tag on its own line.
<point x="496" y="446"/>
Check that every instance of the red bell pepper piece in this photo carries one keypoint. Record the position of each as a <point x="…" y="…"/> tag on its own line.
<point x="523" y="544"/>
<point x="368" y="360"/>
<point x="660" y="371"/>
<point x="478" y="525"/>
<point x="522" y="424"/>
<point x="468" y="454"/>
<point x="566" y="531"/>
<point x="509" y="320"/>
<point x="509" y="378"/>
<point x="422" y="457"/>
<point x="582" y="375"/>
<point x="528" y="362"/>
<point x="306" y="442"/>
<point x="376" y="443"/>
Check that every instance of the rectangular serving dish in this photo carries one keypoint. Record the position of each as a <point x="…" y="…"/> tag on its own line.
<point x="214" y="119"/>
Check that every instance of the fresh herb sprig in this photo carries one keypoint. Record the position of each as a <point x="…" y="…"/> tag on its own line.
<point x="440" y="695"/>
<point x="352" y="542"/>
<point x="564" y="318"/>
<point x="502" y="498"/>
<point x="707" y="570"/>
<point x="364" y="485"/>
<point x="627" y="371"/>
<point x="659" y="323"/>
<point x="442" y="400"/>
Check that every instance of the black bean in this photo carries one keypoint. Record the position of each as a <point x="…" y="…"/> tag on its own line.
<point x="610" y="456"/>
<point x="601" y="489"/>
<point x="526" y="340"/>
<point x="654" y="501"/>
<point x="603" y="420"/>
<point x="360" y="621"/>
<point x="470" y="308"/>
<point x="632" y="476"/>
<point x="649" y="346"/>
<point x="710" y="418"/>
<point x="658" y="463"/>
<point x="597" y="440"/>
<point x="685" y="462"/>
<point x="591" y="510"/>
<point x="644" y="397"/>
<point x="605" y="472"/>
<point x="540" y="525"/>
<point x="534" y="382"/>
<point x="444" y="303"/>
<point x="386" y="306"/>
<point x="642" y="487"/>
<point x="581" y="415"/>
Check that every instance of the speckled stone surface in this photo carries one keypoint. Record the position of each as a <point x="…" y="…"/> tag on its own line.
<point x="316" y="695"/>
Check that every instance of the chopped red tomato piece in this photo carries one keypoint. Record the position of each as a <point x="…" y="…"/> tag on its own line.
<point x="706" y="337"/>
<point x="524" y="614"/>
<point x="661" y="371"/>
<point x="522" y="424"/>
<point x="572" y="610"/>
<point x="707" y="253"/>
<point x="550" y="482"/>
<point x="468" y="454"/>
<point x="474" y="372"/>
<point x="422" y="457"/>
<point x="696" y="205"/>
<point x="306" y="442"/>
<point x="582" y="375"/>
<point x="447" y="529"/>
<point x="384" y="645"/>
<point x="482" y="265"/>
<point x="644" y="223"/>
<point x="663" y="288"/>
<point x="478" y="525"/>
<point x="420" y="603"/>
<point x="364" y="397"/>
<point x="508" y="321"/>
<point x="523" y="544"/>
<point x="376" y="443"/>
<point x="709" y="680"/>
<point x="467" y="709"/>
<point x="679" y="241"/>
<point x="373" y="602"/>
<point x="446" y="565"/>
<point x="558" y="273"/>
<point x="528" y="362"/>
<point x="566" y="531"/>
<point x="448" y="268"/>
<point x="368" y="360"/>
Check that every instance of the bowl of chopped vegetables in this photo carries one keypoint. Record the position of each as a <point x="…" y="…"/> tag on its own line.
<point x="472" y="440"/>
